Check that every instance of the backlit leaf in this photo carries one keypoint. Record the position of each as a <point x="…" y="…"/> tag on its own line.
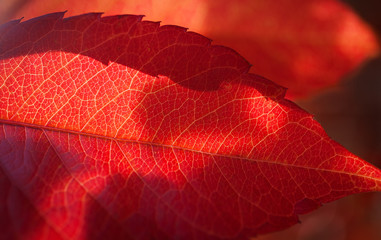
<point x="302" y="45"/>
<point x="117" y="128"/>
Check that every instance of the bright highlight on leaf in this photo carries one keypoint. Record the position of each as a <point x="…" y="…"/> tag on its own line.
<point x="303" y="45"/>
<point x="117" y="128"/>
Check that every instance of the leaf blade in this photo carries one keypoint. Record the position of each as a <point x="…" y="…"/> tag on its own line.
<point x="152" y="125"/>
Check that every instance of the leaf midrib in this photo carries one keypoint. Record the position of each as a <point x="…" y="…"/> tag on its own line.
<point x="288" y="165"/>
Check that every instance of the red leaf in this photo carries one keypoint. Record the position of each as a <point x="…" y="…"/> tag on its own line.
<point x="117" y="128"/>
<point x="302" y="45"/>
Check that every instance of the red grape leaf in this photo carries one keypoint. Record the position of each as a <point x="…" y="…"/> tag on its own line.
<point x="113" y="127"/>
<point x="302" y="45"/>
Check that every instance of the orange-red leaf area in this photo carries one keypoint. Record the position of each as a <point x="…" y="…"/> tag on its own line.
<point x="305" y="46"/>
<point x="113" y="127"/>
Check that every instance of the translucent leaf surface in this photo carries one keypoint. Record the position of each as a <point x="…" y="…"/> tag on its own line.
<point x="303" y="45"/>
<point x="113" y="127"/>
